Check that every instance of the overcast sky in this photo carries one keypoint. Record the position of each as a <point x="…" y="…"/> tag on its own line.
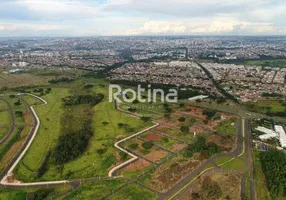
<point x="141" y="17"/>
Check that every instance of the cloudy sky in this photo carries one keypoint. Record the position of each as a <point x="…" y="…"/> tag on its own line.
<point x="141" y="17"/>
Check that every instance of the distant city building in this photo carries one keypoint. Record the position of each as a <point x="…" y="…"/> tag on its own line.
<point x="15" y="71"/>
<point x="200" y="97"/>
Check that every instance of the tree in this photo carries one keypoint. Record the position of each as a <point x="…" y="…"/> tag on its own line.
<point x="145" y="119"/>
<point x="105" y="123"/>
<point x="17" y="103"/>
<point x="182" y="119"/>
<point x="147" y="145"/>
<point x="185" y="129"/>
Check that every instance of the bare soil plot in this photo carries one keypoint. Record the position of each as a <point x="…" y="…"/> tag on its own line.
<point x="153" y="154"/>
<point x="164" y="141"/>
<point x="17" y="80"/>
<point x="176" y="133"/>
<point x="138" y="165"/>
<point x="194" y="111"/>
<point x="225" y="143"/>
<point x="14" y="148"/>
<point x="152" y="137"/>
<point x="166" y="176"/>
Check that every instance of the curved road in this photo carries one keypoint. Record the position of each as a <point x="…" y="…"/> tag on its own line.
<point x="172" y="192"/>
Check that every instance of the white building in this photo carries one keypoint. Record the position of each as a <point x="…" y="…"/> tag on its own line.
<point x="282" y="135"/>
<point x="268" y="133"/>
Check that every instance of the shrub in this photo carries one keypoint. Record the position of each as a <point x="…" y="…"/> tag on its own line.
<point x="185" y="129"/>
<point x="133" y="146"/>
<point x="147" y="145"/>
<point x="182" y="119"/>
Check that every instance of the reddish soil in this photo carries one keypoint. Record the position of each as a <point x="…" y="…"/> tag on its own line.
<point x="178" y="147"/>
<point x="152" y="137"/>
<point x="167" y="176"/>
<point x="28" y="118"/>
<point x="156" y="155"/>
<point x="138" y="165"/>
<point x="195" y="111"/>
<point x="163" y="129"/>
<point x="197" y="129"/>
<point x="225" y="143"/>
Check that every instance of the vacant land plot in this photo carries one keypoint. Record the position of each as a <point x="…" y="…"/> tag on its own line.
<point x="94" y="190"/>
<point x="17" y="80"/>
<point x="47" y="135"/>
<point x="133" y="169"/>
<point x="32" y="100"/>
<point x="3" y="105"/>
<point x="220" y="186"/>
<point x="150" y="152"/>
<point x="167" y="175"/>
<point x="11" y="147"/>
<point x="227" y="127"/>
<point x="268" y="63"/>
<point x="100" y="155"/>
<point x="31" y="193"/>
<point x="163" y="141"/>
<point x="3" y="132"/>
<point x="134" y="192"/>
<point x="264" y="106"/>
<point x="176" y="133"/>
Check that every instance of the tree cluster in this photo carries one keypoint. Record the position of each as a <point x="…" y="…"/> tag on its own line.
<point x="274" y="168"/>
<point x="200" y="146"/>
<point x="83" y="99"/>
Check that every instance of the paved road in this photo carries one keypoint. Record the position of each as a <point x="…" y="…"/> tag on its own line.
<point x="130" y="153"/>
<point x="180" y="185"/>
<point x="12" y="125"/>
<point x="171" y="194"/>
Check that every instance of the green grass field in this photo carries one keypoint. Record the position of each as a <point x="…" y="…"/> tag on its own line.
<point x="3" y="132"/>
<point x="32" y="100"/>
<point x="281" y="63"/>
<point x="93" y="191"/>
<point x="90" y="163"/>
<point x="227" y="127"/>
<point x="19" y="194"/>
<point x="47" y="136"/>
<point x="134" y="192"/>
<point x="235" y="164"/>
<point x="222" y="160"/>
<point x="5" y="118"/>
<point x="3" y="105"/>
<point x="262" y="106"/>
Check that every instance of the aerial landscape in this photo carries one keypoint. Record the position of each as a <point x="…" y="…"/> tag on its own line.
<point x="166" y="111"/>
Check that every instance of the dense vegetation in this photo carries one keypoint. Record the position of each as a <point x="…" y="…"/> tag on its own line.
<point x="274" y="168"/>
<point x="72" y="145"/>
<point x="200" y="146"/>
<point x="77" y="127"/>
<point x="210" y="190"/>
<point x="83" y="99"/>
<point x="209" y="113"/>
<point x="61" y="80"/>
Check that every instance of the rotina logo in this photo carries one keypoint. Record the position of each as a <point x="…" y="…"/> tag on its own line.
<point x="130" y="95"/>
